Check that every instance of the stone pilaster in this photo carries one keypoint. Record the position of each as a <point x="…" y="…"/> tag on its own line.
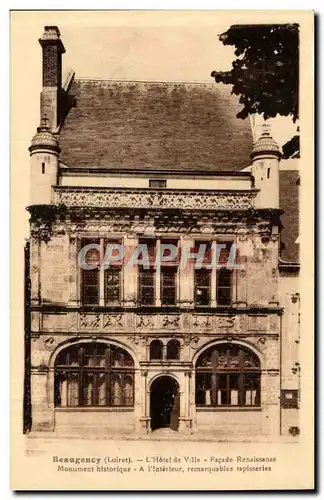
<point x="130" y="272"/>
<point x="186" y="273"/>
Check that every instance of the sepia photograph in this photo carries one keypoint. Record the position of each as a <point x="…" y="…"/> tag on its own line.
<point x="156" y="170"/>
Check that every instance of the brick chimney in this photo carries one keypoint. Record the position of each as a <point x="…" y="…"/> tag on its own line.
<point x="52" y="93"/>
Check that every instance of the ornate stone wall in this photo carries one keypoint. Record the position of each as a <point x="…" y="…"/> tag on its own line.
<point x="140" y="198"/>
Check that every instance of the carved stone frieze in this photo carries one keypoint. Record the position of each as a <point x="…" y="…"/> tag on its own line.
<point x="145" y="321"/>
<point x="113" y="321"/>
<point x="89" y="321"/>
<point x="225" y="322"/>
<point x="202" y="322"/>
<point x="170" y="321"/>
<point x="140" y="198"/>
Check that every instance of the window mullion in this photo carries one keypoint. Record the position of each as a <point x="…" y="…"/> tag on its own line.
<point x="102" y="273"/>
<point x="213" y="300"/>
<point x="158" y="274"/>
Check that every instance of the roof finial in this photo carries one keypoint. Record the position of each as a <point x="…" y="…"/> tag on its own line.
<point x="44" y="121"/>
<point x="44" y="124"/>
<point x="266" y="129"/>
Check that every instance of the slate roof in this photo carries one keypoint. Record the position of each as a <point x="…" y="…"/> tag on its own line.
<point x="155" y="125"/>
<point x="289" y="202"/>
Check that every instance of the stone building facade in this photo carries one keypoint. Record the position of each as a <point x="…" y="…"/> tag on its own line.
<point x="131" y="349"/>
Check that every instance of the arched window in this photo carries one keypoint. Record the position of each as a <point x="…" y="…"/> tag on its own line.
<point x="228" y="375"/>
<point x="173" y="349"/>
<point x="94" y="374"/>
<point x="156" y="349"/>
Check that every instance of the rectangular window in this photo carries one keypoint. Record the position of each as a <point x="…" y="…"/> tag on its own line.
<point x="168" y="286"/>
<point x="109" y="279"/>
<point x="112" y="285"/>
<point x="146" y="286"/>
<point x="157" y="183"/>
<point x="203" y="250"/>
<point x="224" y="287"/>
<point x="90" y="286"/>
<point x="202" y="287"/>
<point x="91" y="277"/>
<point x="225" y="274"/>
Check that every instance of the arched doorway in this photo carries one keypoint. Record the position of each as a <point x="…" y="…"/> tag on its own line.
<point x="165" y="403"/>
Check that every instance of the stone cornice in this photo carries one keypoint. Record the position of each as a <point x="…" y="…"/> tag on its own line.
<point x="146" y="198"/>
<point x="221" y="310"/>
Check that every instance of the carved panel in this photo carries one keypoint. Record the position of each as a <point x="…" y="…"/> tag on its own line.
<point x="170" y="321"/>
<point x="138" y="198"/>
<point x="113" y="321"/>
<point x="225" y="322"/>
<point x="89" y="321"/>
<point x="191" y="340"/>
<point x="145" y="321"/>
<point x="202" y="322"/>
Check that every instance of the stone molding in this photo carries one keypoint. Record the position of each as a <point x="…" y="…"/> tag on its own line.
<point x="168" y="323"/>
<point x="147" y="199"/>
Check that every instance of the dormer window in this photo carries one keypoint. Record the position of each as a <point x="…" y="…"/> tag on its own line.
<point x="157" y="183"/>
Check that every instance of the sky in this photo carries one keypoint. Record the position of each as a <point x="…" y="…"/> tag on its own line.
<point x="153" y="46"/>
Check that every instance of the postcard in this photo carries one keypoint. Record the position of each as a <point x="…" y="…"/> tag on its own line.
<point x="162" y="203"/>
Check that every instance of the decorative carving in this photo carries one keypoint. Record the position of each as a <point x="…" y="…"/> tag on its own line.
<point x="294" y="298"/>
<point x="73" y="269"/>
<point x="113" y="321"/>
<point x="139" y="198"/>
<point x="224" y="322"/>
<point x="49" y="343"/>
<point x="170" y="321"/>
<point x="89" y="321"/>
<point x="191" y="340"/>
<point x="42" y="232"/>
<point x="144" y="321"/>
<point x="138" y="339"/>
<point x="274" y="272"/>
<point x="203" y="322"/>
<point x="59" y="229"/>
